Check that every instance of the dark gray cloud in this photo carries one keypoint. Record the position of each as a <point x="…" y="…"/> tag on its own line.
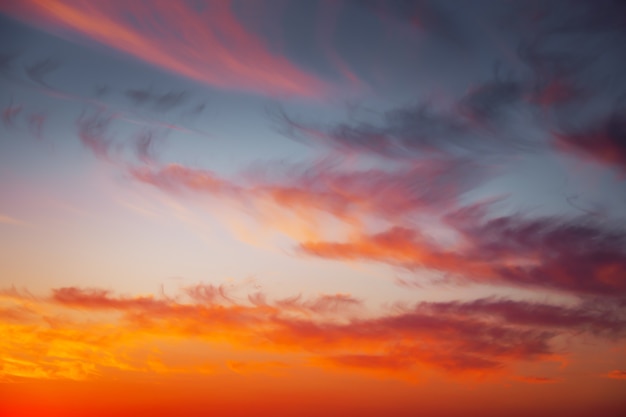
<point x="39" y="70"/>
<point x="564" y="75"/>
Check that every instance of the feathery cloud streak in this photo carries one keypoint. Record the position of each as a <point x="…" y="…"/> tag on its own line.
<point x="206" y="41"/>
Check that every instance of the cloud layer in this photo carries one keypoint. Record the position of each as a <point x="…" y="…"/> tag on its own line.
<point x="484" y="336"/>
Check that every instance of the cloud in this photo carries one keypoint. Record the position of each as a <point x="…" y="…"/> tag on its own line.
<point x="604" y="142"/>
<point x="209" y="294"/>
<point x="100" y="299"/>
<point x="434" y="155"/>
<point x="93" y="132"/>
<point x="417" y="130"/>
<point x="616" y="374"/>
<point x="576" y="256"/>
<point x="97" y="133"/>
<point x="426" y="186"/>
<point x="458" y="337"/>
<point x="398" y="246"/>
<point x="372" y="362"/>
<point x="577" y="69"/>
<point x="177" y="178"/>
<point x="175" y="37"/>
<point x="323" y="304"/>
<point x="417" y="337"/>
<point x="247" y="367"/>
<point x="488" y="103"/>
<point x="557" y="85"/>
<point x="37" y="71"/>
<point x="10" y="114"/>
<point x="144" y="146"/>
<point x="99" y="119"/>
<point x="599" y="318"/>
<point x="538" y="379"/>
<point x="16" y="314"/>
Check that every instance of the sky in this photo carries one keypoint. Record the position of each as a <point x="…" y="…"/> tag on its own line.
<point x="347" y="207"/>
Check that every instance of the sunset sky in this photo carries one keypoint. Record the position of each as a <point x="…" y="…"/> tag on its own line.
<point x="312" y="208"/>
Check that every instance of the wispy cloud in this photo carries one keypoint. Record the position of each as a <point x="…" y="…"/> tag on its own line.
<point x="616" y="374"/>
<point x="323" y="185"/>
<point x="538" y="379"/>
<point x="576" y="256"/>
<point x="175" y="37"/>
<point x="11" y="220"/>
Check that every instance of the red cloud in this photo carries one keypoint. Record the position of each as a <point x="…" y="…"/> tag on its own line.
<point x="397" y="246"/>
<point x="598" y="318"/>
<point x="537" y="379"/>
<point x="573" y="256"/>
<point x="605" y="142"/>
<point x="206" y="42"/>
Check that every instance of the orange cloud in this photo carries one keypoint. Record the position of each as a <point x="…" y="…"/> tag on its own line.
<point x="538" y="379"/>
<point x="84" y="334"/>
<point x="617" y="374"/>
<point x="245" y="367"/>
<point x="205" y="42"/>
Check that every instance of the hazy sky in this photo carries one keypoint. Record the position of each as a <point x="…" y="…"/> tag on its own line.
<point x="356" y="207"/>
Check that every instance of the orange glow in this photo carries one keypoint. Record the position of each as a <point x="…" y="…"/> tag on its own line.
<point x="206" y="347"/>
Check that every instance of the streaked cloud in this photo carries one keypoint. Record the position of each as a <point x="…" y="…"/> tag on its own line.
<point x="176" y="38"/>
<point x="575" y="256"/>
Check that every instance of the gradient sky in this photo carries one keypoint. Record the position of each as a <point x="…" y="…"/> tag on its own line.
<point x="313" y="208"/>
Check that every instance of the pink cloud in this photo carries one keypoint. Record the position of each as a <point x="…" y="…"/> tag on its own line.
<point x="176" y="37"/>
